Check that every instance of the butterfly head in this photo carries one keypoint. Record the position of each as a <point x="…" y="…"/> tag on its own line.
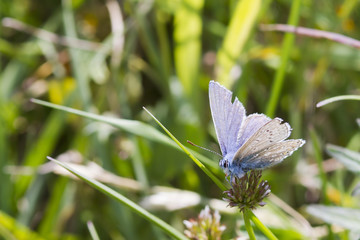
<point x="224" y="164"/>
<point x="230" y="169"/>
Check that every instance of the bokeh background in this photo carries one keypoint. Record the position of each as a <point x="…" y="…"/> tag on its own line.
<point x="113" y="57"/>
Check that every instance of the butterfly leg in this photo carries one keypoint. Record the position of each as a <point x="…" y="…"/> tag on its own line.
<point x="231" y="179"/>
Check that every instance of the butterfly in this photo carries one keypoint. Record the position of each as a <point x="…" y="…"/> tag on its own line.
<point x="247" y="142"/>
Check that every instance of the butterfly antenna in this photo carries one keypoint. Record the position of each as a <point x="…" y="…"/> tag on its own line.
<point x="204" y="148"/>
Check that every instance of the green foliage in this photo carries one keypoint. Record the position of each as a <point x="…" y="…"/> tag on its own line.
<point x="110" y="60"/>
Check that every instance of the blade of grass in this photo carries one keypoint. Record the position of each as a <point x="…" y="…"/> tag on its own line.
<point x="187" y="36"/>
<point x="241" y="24"/>
<point x="11" y="229"/>
<point x="42" y="147"/>
<point x="285" y="53"/>
<point x="349" y="158"/>
<point x="131" y="126"/>
<point x="148" y="41"/>
<point x="261" y="226"/>
<point x="348" y="218"/>
<point x="338" y="98"/>
<point x="319" y="160"/>
<point x="92" y="231"/>
<point x="50" y="218"/>
<point x="125" y="201"/>
<point x="75" y="54"/>
<point x="197" y="162"/>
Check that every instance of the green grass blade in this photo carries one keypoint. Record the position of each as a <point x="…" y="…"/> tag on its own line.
<point x="131" y="126"/>
<point x="50" y="218"/>
<point x="197" y="162"/>
<point x="11" y="229"/>
<point x="125" y="201"/>
<point x="319" y="160"/>
<point x="187" y="36"/>
<point x="77" y="60"/>
<point x="241" y="24"/>
<point x="41" y="148"/>
<point x="261" y="226"/>
<point x="350" y="159"/>
<point x="285" y="54"/>
<point x="348" y="218"/>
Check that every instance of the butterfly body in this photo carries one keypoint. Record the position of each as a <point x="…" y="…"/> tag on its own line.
<point x="247" y="142"/>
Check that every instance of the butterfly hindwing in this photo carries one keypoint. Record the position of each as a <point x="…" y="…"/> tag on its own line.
<point x="274" y="131"/>
<point x="252" y="123"/>
<point x="272" y="155"/>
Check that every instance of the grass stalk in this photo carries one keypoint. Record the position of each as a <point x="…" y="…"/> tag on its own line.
<point x="125" y="201"/>
<point x="285" y="54"/>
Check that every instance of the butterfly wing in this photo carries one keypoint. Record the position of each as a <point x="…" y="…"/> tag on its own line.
<point x="274" y="131"/>
<point x="227" y="116"/>
<point x="272" y="155"/>
<point x="252" y="123"/>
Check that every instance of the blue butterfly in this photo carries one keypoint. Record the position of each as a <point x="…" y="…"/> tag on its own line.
<point x="247" y="142"/>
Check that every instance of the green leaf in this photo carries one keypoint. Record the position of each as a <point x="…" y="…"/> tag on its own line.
<point x="120" y="198"/>
<point x="187" y="36"/>
<point x="348" y="218"/>
<point x="285" y="56"/>
<point x="350" y="159"/>
<point x="132" y="126"/>
<point x="241" y="24"/>
<point x="11" y="229"/>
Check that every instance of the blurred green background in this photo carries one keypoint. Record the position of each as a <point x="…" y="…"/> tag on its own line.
<point x="114" y="57"/>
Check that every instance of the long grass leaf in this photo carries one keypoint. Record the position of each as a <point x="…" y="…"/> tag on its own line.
<point x="12" y="230"/>
<point x="350" y="159"/>
<point x="132" y="126"/>
<point x="187" y="36"/>
<point x="241" y="24"/>
<point x="122" y="199"/>
<point x="319" y="160"/>
<point x="348" y="218"/>
<point x="338" y="98"/>
<point x="76" y="58"/>
<point x="41" y="148"/>
<point x="285" y="54"/>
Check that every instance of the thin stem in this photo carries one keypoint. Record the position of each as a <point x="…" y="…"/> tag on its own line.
<point x="336" y="37"/>
<point x="248" y="226"/>
<point x="338" y="98"/>
<point x="202" y="166"/>
<point x="319" y="160"/>
<point x="267" y="232"/>
<point x="67" y="41"/>
<point x="93" y="233"/>
<point x="285" y="55"/>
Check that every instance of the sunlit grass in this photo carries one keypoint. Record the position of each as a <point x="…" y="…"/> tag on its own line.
<point x="170" y="52"/>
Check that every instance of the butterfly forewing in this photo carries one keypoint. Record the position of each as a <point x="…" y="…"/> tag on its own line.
<point x="273" y="155"/>
<point x="228" y="117"/>
<point x="272" y="132"/>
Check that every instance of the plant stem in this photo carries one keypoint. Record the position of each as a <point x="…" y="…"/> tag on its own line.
<point x="285" y="54"/>
<point x="248" y="224"/>
<point x="319" y="160"/>
<point x="267" y="232"/>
